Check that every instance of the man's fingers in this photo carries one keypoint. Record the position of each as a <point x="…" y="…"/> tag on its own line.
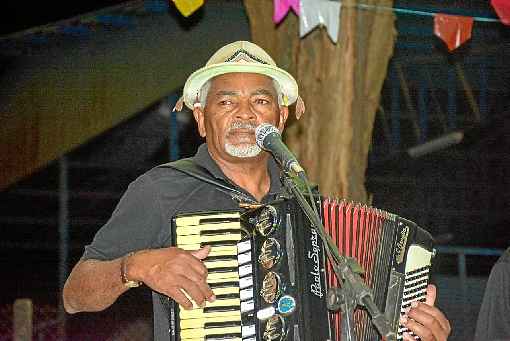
<point x="431" y="295"/>
<point x="180" y="298"/>
<point x="192" y="267"/>
<point x="202" y="252"/>
<point x="426" y="314"/>
<point x="434" y="312"/>
<point x="196" y="291"/>
<point x="427" y="322"/>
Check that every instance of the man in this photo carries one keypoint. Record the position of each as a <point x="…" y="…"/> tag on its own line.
<point x="239" y="88"/>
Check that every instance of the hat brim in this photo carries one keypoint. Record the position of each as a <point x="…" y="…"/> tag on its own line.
<point x="198" y="78"/>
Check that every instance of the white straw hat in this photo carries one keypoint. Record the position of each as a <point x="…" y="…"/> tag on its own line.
<point x="239" y="56"/>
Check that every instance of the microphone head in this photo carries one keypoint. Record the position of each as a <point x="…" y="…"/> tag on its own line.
<point x="262" y="131"/>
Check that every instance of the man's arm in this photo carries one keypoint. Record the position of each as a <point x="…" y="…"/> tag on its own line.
<point x="94" y="285"/>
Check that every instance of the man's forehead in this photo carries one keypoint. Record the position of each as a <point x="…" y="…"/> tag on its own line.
<point x="233" y="81"/>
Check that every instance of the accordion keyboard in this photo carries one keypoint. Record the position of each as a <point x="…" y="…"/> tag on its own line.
<point x="417" y="270"/>
<point x="230" y="276"/>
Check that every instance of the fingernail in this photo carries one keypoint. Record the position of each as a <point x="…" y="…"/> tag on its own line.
<point x="403" y="320"/>
<point x="406" y="310"/>
<point x="414" y="304"/>
<point x="212" y="298"/>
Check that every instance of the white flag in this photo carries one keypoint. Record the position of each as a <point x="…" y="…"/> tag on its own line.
<point x="320" y="12"/>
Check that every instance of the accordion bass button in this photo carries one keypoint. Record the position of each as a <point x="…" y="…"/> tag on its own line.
<point x="270" y="253"/>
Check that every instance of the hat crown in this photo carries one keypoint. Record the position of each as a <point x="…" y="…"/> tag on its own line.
<point x="240" y="52"/>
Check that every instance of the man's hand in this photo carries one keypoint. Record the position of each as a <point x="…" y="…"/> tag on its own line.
<point x="425" y="320"/>
<point x="173" y="271"/>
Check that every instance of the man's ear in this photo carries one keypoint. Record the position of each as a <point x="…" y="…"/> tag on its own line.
<point x="198" y="113"/>
<point x="284" y="114"/>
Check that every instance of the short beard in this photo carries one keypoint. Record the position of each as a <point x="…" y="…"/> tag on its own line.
<point x="245" y="150"/>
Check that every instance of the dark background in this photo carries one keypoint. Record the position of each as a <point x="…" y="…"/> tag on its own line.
<point x="460" y="193"/>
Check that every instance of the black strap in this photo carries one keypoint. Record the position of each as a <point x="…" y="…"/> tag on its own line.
<point x="187" y="166"/>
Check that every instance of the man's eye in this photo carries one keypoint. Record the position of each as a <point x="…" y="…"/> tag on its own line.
<point x="226" y="102"/>
<point x="261" y="101"/>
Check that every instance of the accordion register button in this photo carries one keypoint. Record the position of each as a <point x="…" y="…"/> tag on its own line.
<point x="244" y="258"/>
<point x="266" y="313"/>
<point x="245" y="270"/>
<point x="247" y="306"/>
<point x="270" y="253"/>
<point x="245" y="282"/>
<point x="246" y="294"/>
<point x="271" y="288"/>
<point x="267" y="220"/>
<point x="248" y="330"/>
<point x="244" y="246"/>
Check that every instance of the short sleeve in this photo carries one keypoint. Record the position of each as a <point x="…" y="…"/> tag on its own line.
<point x="135" y="223"/>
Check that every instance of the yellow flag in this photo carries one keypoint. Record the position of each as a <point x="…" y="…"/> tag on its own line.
<point x="187" y="7"/>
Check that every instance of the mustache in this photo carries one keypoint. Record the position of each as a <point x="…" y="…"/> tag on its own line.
<point x="241" y="125"/>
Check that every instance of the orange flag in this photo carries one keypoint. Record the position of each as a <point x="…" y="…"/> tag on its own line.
<point x="502" y="8"/>
<point x="454" y="30"/>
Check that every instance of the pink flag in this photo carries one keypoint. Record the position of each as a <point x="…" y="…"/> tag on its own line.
<point x="502" y="8"/>
<point x="281" y="8"/>
<point x="454" y="30"/>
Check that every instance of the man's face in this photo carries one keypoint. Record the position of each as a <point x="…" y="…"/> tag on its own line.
<point x="236" y="104"/>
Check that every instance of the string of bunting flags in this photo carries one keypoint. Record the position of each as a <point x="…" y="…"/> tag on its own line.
<point x="454" y="30"/>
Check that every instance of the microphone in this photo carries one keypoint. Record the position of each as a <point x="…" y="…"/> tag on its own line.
<point x="268" y="138"/>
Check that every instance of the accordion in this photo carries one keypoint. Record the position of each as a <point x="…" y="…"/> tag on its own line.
<point x="270" y="274"/>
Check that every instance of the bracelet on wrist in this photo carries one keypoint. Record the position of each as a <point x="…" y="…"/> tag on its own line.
<point x="123" y="273"/>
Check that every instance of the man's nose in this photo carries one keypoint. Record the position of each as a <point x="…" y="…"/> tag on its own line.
<point x="245" y="111"/>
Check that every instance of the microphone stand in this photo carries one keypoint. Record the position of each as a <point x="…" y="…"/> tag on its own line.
<point x="354" y="291"/>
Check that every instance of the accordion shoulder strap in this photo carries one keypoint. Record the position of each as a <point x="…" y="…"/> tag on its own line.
<point x="187" y="166"/>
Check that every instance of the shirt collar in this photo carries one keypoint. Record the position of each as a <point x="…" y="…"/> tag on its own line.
<point x="203" y="158"/>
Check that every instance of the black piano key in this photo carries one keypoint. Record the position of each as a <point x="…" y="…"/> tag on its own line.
<point x="213" y="220"/>
<point x="218" y="232"/>
<point x="218" y="309"/>
<point x="218" y="258"/>
<point x="222" y="324"/>
<point x="224" y="284"/>
<point x="220" y="243"/>
<point x="227" y="296"/>
<point x="223" y="336"/>
<point x="217" y="270"/>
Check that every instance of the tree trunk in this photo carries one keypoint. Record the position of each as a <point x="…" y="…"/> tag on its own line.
<point x="340" y="85"/>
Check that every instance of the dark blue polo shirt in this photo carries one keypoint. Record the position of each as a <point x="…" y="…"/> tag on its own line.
<point x="142" y="218"/>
